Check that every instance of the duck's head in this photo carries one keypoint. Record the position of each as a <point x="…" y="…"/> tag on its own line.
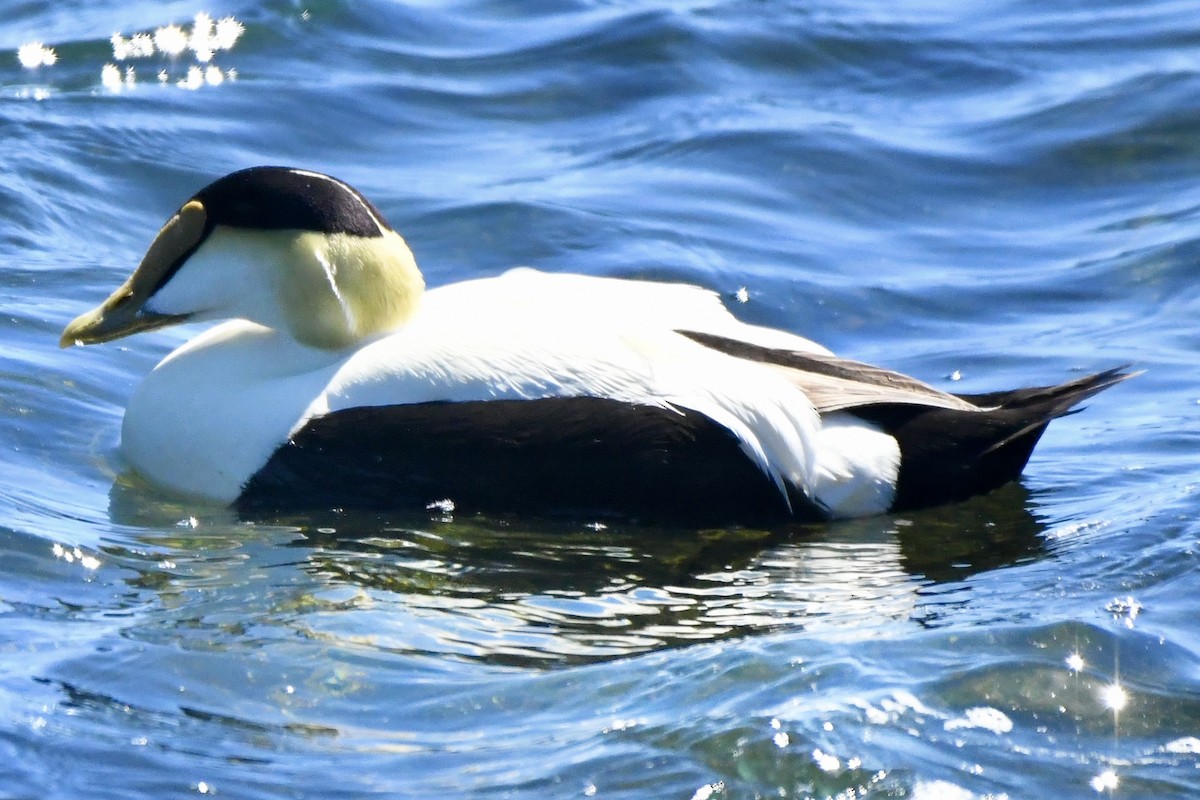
<point x="292" y="250"/>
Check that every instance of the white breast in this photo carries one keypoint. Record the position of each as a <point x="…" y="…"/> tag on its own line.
<point x="212" y="412"/>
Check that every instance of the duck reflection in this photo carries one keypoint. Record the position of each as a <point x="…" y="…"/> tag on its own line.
<point x="511" y="591"/>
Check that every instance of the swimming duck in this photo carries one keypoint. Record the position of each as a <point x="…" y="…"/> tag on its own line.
<point x="336" y="380"/>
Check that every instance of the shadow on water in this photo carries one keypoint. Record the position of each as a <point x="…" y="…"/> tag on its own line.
<point x="521" y="592"/>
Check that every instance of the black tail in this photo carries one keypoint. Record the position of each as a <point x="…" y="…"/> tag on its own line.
<point x="948" y="454"/>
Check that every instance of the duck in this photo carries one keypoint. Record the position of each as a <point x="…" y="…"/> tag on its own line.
<point x="336" y="380"/>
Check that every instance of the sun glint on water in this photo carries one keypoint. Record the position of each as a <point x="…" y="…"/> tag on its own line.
<point x="204" y="40"/>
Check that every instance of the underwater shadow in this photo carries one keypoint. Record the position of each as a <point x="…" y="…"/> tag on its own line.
<point x="516" y="591"/>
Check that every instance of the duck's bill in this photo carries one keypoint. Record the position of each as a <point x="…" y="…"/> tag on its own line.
<point x="119" y="316"/>
<point x="124" y="312"/>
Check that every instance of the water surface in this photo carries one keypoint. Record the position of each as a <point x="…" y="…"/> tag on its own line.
<point x="987" y="197"/>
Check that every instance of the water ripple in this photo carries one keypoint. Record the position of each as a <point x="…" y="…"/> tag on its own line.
<point x="982" y="199"/>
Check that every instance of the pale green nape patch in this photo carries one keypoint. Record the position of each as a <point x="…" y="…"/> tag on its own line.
<point x="337" y="289"/>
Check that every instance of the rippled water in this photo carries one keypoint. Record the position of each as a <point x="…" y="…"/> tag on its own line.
<point x="985" y="196"/>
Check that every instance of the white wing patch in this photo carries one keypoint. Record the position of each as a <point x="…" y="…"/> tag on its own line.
<point x="857" y="467"/>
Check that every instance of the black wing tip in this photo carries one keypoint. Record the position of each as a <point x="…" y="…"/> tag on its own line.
<point x="1061" y="396"/>
<point x="1113" y="375"/>
<point x="1055" y="402"/>
<point x="1073" y="392"/>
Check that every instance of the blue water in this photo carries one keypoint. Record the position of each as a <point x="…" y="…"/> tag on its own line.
<point x="982" y="195"/>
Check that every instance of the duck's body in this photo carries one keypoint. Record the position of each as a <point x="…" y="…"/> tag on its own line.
<point x="338" y="384"/>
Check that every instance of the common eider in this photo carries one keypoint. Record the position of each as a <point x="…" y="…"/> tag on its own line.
<point x="338" y="381"/>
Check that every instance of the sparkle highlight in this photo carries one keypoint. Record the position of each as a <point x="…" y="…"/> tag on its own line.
<point x="204" y="40"/>
<point x="1106" y="781"/>
<point x="35" y="54"/>
<point x="1114" y="697"/>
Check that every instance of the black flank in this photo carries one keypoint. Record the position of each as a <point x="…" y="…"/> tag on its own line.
<point x="579" y="457"/>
